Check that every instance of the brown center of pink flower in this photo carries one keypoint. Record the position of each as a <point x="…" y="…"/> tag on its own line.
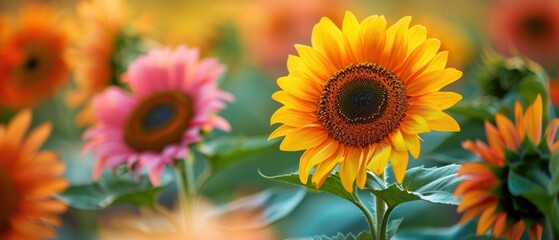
<point x="158" y="121"/>
<point x="8" y="199"/>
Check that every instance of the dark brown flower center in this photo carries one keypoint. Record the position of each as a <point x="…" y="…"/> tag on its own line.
<point x="158" y="121"/>
<point x="537" y="26"/>
<point x="8" y="199"/>
<point x="362" y="104"/>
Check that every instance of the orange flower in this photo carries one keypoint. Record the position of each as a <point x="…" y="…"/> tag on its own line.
<point x="31" y="59"/>
<point x="28" y="180"/>
<point x="486" y="191"/>
<point x="97" y="56"/>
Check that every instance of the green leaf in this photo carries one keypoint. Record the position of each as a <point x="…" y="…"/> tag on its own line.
<point x="554" y="215"/>
<point x="521" y="186"/>
<point x="332" y="185"/>
<point x="480" y="109"/>
<point x="227" y="151"/>
<point x="340" y="236"/>
<point x="114" y="190"/>
<point x="461" y="232"/>
<point x="393" y="227"/>
<point x="435" y="185"/>
<point x="262" y="209"/>
<point x="554" y="170"/>
<point x="450" y="150"/>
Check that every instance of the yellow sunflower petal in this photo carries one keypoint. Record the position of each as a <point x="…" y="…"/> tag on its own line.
<point x="415" y="124"/>
<point x="413" y="144"/>
<point x="399" y="161"/>
<point x="280" y="131"/>
<point x="397" y="43"/>
<point x="314" y="156"/>
<point x="438" y="100"/>
<point x="303" y="138"/>
<point x="326" y="38"/>
<point x="373" y="30"/>
<point x="350" y="167"/>
<point x="380" y="159"/>
<point x="351" y="30"/>
<point x="398" y="141"/>
<point x="324" y="169"/>
<point x="292" y="117"/>
<point x="432" y="81"/>
<point x="294" y="102"/>
<point x="299" y="87"/>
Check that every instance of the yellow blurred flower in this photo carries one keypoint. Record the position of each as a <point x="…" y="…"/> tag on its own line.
<point x="453" y="38"/>
<point x="101" y="33"/>
<point x="29" y="179"/>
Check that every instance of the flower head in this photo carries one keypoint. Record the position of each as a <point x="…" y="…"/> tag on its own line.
<point x="31" y="59"/>
<point x="360" y="96"/>
<point x="174" y="97"/>
<point x="102" y="43"/>
<point x="29" y="179"/>
<point x="486" y="192"/>
<point x="530" y="27"/>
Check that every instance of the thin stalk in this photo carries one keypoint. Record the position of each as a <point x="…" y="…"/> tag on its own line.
<point x="381" y="211"/>
<point x="368" y="216"/>
<point x="187" y="193"/>
<point x="385" y="220"/>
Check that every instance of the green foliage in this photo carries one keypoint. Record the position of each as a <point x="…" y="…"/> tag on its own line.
<point x="393" y="227"/>
<point x="227" y="151"/>
<point x="435" y="185"/>
<point x="332" y="185"/>
<point x="267" y="207"/>
<point x="114" y="190"/>
<point x="339" y="236"/>
<point x="450" y="149"/>
<point x="458" y="232"/>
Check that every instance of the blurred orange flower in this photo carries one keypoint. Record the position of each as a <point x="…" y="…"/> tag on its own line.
<point x="28" y="180"/>
<point x="31" y="58"/>
<point x="97" y="56"/>
<point x="149" y="225"/>
<point x="453" y="39"/>
<point x="530" y="27"/>
<point x="270" y="29"/>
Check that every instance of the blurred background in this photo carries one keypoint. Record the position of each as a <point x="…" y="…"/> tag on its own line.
<point x="253" y="38"/>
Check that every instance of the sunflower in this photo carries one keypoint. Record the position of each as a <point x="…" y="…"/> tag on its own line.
<point x="174" y="98"/>
<point x="554" y="91"/>
<point x="360" y="96"/>
<point x="530" y="27"/>
<point x="486" y="192"/>
<point x="31" y="59"/>
<point x="28" y="181"/>
<point x="101" y="41"/>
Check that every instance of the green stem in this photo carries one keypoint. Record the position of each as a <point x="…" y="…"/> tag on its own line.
<point x="381" y="211"/>
<point x="187" y="193"/>
<point x="368" y="216"/>
<point x="385" y="220"/>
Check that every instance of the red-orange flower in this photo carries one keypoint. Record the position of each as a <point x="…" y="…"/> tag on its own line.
<point x="486" y="192"/>
<point x="530" y="27"/>
<point x="29" y="178"/>
<point x="31" y="59"/>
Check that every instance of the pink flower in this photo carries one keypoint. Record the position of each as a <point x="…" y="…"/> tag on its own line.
<point x="174" y="98"/>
